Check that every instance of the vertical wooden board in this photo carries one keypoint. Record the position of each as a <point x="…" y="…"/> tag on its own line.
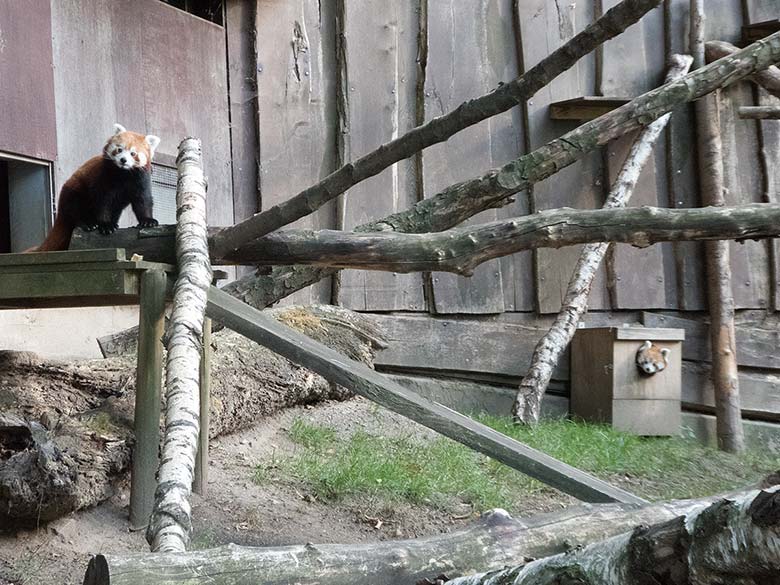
<point x="682" y="168"/>
<point x="27" y="123"/>
<point x="295" y="84"/>
<point x="544" y="26"/>
<point x="185" y="91"/>
<point x="380" y="78"/>
<point x="632" y="64"/>
<point x="742" y="169"/>
<point x="242" y="80"/>
<point x="759" y="11"/>
<point x="471" y="48"/>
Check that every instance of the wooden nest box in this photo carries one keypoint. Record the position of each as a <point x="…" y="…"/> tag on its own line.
<point x="608" y="386"/>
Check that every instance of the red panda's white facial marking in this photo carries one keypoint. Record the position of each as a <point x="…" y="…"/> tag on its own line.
<point x="129" y="150"/>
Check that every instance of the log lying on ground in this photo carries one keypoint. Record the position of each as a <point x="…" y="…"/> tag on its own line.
<point x="769" y="78"/>
<point x="492" y="541"/>
<point x="506" y="96"/>
<point x="527" y="405"/>
<point x="84" y="410"/>
<point x="460" y="250"/>
<point x="731" y="541"/>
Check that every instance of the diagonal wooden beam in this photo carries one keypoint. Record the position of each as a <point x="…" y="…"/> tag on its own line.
<point x="361" y="379"/>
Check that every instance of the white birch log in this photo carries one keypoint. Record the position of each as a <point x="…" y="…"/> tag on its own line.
<point x="170" y="526"/>
<point x="526" y="407"/>
<point x="732" y="541"/>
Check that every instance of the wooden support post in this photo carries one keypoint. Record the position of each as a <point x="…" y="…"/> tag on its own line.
<point x="719" y="290"/>
<point x="200" y="482"/>
<point x="147" y="396"/>
<point x="361" y="379"/>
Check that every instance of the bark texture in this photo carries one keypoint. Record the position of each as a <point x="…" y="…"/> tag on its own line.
<point x="66" y="429"/>
<point x="170" y="525"/>
<point x="494" y="540"/>
<point x="438" y="130"/>
<point x="759" y="112"/>
<point x="725" y="377"/>
<point x="731" y="541"/>
<point x="461" y="250"/>
<point x="527" y="406"/>
<point x="768" y="78"/>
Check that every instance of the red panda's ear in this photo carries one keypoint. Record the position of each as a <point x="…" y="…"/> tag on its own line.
<point x="153" y="141"/>
<point x="118" y="129"/>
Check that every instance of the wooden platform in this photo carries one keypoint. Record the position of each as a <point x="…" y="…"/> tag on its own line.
<point x="105" y="277"/>
<point x="758" y="30"/>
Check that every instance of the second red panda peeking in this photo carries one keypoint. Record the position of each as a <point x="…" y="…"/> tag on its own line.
<point x="100" y="189"/>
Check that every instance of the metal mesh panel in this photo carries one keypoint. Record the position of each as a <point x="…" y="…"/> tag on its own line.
<point x="164" y="193"/>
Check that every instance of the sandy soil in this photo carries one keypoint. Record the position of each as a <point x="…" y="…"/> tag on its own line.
<point x="238" y="510"/>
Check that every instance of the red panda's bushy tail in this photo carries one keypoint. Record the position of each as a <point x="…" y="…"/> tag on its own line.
<point x="58" y="238"/>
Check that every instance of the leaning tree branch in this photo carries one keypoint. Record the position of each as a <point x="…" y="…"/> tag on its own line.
<point x="460" y="250"/>
<point x="170" y="525"/>
<point x="548" y="350"/>
<point x="439" y="129"/>
<point x="464" y="200"/>
<point x="769" y="78"/>
<point x="731" y="541"/>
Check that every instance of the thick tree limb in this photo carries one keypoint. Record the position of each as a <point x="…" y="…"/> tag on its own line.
<point x="759" y="112"/>
<point x="437" y="130"/>
<point x="170" y="526"/>
<point x="494" y="540"/>
<point x="730" y="541"/>
<point x="460" y="250"/>
<point x="769" y="78"/>
<point x="725" y="377"/>
<point x="548" y="350"/>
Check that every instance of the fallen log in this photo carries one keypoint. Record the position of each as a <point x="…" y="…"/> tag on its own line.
<point x="66" y="428"/>
<point x="731" y="541"/>
<point x="494" y="540"/>
<point x="462" y="249"/>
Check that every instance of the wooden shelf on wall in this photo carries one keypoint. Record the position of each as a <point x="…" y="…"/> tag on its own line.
<point x="585" y="108"/>
<point x="758" y="30"/>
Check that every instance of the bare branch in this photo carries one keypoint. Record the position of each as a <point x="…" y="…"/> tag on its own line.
<point x="439" y="129"/>
<point x="769" y="78"/>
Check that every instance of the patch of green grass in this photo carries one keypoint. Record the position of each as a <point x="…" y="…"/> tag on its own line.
<point x="439" y="471"/>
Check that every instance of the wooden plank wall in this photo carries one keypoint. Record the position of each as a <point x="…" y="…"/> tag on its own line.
<point x="27" y="123"/>
<point x="296" y="108"/>
<point x="175" y="85"/>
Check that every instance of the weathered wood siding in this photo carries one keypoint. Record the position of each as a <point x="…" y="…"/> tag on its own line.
<point x="27" y="124"/>
<point x="150" y="67"/>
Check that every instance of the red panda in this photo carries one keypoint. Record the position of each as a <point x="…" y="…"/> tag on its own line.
<point x="100" y="189"/>
<point x="651" y="359"/>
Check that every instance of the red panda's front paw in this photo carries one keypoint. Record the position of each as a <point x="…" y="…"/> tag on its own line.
<point x="107" y="228"/>
<point x="148" y="222"/>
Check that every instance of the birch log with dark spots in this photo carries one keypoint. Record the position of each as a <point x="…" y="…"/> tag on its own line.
<point x="734" y="540"/>
<point x="548" y="350"/>
<point x="725" y="377"/>
<point x="461" y="250"/>
<point x="503" y="98"/>
<point x="170" y="525"/>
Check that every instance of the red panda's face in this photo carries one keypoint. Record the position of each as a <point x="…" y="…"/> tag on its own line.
<point x="130" y="150"/>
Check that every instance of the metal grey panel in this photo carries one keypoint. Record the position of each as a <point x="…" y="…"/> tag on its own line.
<point x="29" y="204"/>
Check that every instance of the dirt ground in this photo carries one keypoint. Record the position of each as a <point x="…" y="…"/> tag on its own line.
<point x="238" y="510"/>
